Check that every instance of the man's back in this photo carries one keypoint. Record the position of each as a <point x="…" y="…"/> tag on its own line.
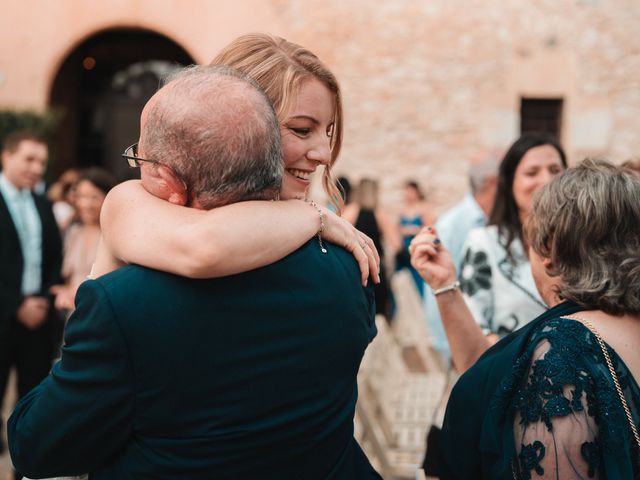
<point x="252" y="374"/>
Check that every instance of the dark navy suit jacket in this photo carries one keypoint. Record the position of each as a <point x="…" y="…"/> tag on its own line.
<point x="247" y="376"/>
<point x="11" y="261"/>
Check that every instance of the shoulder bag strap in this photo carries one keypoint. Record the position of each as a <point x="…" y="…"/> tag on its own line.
<point x="612" y="371"/>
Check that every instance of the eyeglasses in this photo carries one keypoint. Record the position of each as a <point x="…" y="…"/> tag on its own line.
<point x="134" y="161"/>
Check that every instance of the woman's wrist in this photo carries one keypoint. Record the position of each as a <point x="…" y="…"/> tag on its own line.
<point x="321" y="227"/>
<point x="438" y="284"/>
<point x="449" y="287"/>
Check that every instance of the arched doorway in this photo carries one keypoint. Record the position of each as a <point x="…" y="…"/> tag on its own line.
<point x="99" y="92"/>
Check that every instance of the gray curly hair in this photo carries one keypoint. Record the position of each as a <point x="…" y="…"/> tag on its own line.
<point x="587" y="221"/>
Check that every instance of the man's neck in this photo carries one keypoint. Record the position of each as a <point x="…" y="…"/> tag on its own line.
<point x="484" y="202"/>
<point x="8" y="184"/>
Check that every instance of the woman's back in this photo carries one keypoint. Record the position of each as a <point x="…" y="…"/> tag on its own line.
<point x="561" y="401"/>
<point x="542" y="404"/>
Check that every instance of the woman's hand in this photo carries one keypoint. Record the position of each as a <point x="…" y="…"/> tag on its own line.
<point x="339" y="231"/>
<point x="65" y="297"/>
<point x="431" y="259"/>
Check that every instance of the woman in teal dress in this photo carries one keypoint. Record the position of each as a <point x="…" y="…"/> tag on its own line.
<point x="413" y="215"/>
<point x="543" y="402"/>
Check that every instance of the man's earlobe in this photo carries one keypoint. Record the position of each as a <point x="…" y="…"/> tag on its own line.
<point x="176" y="188"/>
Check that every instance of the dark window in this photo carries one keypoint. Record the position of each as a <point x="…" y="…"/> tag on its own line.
<point x="541" y="115"/>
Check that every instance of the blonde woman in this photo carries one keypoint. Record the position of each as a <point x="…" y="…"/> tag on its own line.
<point x="302" y="425"/>
<point x="241" y="237"/>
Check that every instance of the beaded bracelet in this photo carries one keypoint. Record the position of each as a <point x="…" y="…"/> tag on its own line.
<point x="319" y="234"/>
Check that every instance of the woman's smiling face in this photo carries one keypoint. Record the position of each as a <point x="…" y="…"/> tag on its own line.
<point x="306" y="137"/>
<point x="537" y="168"/>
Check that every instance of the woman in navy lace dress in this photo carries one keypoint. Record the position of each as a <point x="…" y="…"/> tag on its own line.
<point x="543" y="402"/>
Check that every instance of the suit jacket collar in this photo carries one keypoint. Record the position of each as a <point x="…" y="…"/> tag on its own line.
<point x="5" y="216"/>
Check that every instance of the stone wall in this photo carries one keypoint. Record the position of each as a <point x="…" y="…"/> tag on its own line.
<point x="427" y="83"/>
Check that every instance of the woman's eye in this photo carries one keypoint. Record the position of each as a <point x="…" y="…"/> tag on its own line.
<point x="301" y="131"/>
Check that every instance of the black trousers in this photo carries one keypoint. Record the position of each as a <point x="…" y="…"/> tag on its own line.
<point x="30" y="352"/>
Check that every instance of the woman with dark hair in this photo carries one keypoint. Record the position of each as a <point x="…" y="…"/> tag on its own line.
<point x="62" y="195"/>
<point x="495" y="273"/>
<point x="559" y="398"/>
<point x="82" y="238"/>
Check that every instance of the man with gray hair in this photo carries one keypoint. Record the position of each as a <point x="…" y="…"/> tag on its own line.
<point x="454" y="225"/>
<point x="252" y="375"/>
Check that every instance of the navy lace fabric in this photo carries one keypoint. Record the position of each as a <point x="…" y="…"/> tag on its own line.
<point x="568" y="421"/>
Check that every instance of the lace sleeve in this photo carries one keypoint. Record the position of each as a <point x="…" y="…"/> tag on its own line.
<point x="555" y="434"/>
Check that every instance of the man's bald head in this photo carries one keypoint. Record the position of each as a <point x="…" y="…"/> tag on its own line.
<point x="217" y="130"/>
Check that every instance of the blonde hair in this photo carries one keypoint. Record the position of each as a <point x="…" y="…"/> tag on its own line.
<point x="280" y="67"/>
<point x="367" y="194"/>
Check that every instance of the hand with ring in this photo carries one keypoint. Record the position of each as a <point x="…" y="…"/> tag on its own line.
<point x="339" y="231"/>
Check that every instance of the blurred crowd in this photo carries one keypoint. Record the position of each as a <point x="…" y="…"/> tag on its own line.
<point x="49" y="244"/>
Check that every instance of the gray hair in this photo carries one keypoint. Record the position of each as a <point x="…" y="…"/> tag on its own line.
<point x="480" y="172"/>
<point x="216" y="128"/>
<point x="587" y="221"/>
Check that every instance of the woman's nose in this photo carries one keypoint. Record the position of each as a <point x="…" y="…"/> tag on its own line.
<point x="321" y="152"/>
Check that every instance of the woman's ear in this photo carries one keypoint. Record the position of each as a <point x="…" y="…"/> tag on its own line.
<point x="176" y="188"/>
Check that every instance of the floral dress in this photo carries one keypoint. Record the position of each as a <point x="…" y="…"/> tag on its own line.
<point x="499" y="291"/>
<point x="568" y="421"/>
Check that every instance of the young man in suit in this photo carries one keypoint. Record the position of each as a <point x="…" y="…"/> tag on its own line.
<point x="31" y="256"/>
<point x="252" y="375"/>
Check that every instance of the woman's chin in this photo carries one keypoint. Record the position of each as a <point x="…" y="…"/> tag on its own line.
<point x="293" y="194"/>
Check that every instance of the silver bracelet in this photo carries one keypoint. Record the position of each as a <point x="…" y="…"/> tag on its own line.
<point x="321" y="229"/>
<point x="454" y="286"/>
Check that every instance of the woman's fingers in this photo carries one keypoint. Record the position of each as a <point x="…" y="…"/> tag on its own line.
<point x="341" y="232"/>
<point x="361" y="257"/>
<point x="372" y="253"/>
<point x="428" y="229"/>
<point x="372" y="246"/>
<point x="374" y="263"/>
<point x="423" y="257"/>
<point x="423" y="238"/>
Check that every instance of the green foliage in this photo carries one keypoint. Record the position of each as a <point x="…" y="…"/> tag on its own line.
<point x="41" y="123"/>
